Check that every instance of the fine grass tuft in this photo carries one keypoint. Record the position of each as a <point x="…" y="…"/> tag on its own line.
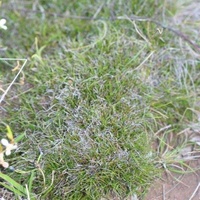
<point x="97" y="93"/>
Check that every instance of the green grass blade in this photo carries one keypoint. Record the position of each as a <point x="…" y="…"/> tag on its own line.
<point x="12" y="189"/>
<point x="13" y="183"/>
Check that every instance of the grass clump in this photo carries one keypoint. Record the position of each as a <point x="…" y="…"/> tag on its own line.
<point x="93" y="136"/>
<point x="95" y="93"/>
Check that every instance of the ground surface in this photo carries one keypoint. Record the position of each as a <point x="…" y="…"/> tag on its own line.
<point x="177" y="187"/>
<point x="187" y="186"/>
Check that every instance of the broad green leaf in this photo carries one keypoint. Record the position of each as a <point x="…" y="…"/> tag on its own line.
<point x="19" y="137"/>
<point x="12" y="189"/>
<point x="9" y="133"/>
<point x="13" y="183"/>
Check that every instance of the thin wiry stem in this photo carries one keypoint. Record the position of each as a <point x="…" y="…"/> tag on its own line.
<point x="195" y="191"/>
<point x="133" y="18"/>
<point x="6" y="91"/>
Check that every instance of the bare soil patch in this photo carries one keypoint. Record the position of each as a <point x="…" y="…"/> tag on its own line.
<point x="177" y="187"/>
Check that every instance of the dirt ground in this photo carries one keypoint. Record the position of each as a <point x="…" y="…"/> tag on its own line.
<point x="186" y="187"/>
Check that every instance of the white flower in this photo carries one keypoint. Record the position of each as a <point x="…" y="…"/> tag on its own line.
<point x="9" y="146"/>
<point x="2" y="24"/>
<point x="2" y="162"/>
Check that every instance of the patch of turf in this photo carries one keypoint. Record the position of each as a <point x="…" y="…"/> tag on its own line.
<point x="95" y="93"/>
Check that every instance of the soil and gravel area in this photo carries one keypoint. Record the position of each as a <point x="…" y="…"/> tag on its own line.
<point x="174" y="186"/>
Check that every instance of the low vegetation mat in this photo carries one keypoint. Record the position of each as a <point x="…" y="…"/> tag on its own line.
<point x="107" y="99"/>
